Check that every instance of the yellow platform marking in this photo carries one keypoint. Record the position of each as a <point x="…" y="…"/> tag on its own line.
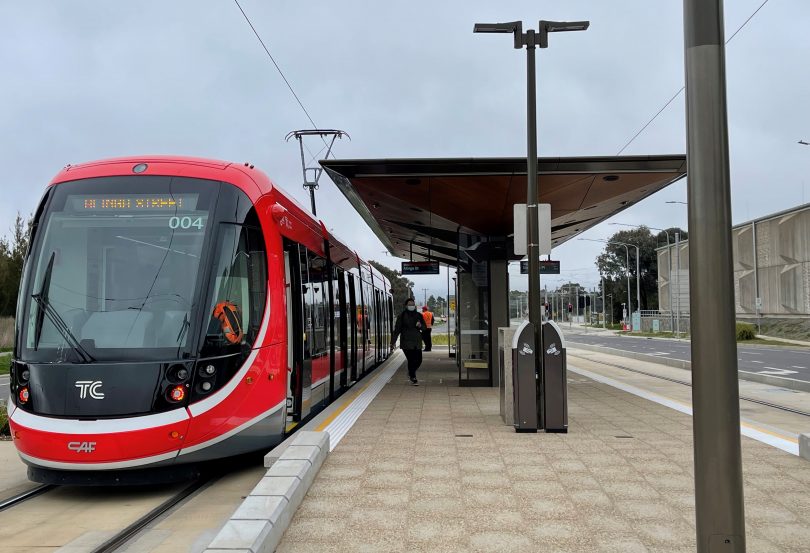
<point x="345" y="404"/>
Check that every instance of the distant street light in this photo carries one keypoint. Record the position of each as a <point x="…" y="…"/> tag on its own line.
<point x="803" y="143"/>
<point x="675" y="202"/>
<point x="638" y="272"/>
<point x="669" y="251"/>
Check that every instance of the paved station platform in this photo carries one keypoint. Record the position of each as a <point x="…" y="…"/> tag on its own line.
<point x="433" y="469"/>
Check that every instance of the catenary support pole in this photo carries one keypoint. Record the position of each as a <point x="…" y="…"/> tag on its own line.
<point x="638" y="285"/>
<point x="678" y="284"/>
<point x="719" y="512"/>
<point x="603" y="302"/>
<point x="627" y="272"/>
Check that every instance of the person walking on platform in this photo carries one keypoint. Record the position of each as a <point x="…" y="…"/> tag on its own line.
<point x="428" y="317"/>
<point x="409" y="327"/>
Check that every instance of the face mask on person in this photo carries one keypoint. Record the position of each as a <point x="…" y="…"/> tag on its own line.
<point x="411" y="307"/>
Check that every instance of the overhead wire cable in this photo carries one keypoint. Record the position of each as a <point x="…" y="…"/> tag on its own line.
<point x="280" y="72"/>
<point x="654" y="117"/>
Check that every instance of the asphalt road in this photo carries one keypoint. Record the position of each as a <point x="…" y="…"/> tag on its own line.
<point x="780" y="361"/>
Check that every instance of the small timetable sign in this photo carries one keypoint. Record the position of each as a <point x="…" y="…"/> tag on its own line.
<point x="420" y="268"/>
<point x="546" y="267"/>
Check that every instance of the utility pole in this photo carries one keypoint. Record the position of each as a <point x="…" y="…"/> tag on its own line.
<point x="603" y="301"/>
<point x="424" y="290"/>
<point x="719" y="509"/>
<point x="678" y="283"/>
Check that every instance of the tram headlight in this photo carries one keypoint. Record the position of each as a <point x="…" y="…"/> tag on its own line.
<point x="177" y="374"/>
<point x="207" y="371"/>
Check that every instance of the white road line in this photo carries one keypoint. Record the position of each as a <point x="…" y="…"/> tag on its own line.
<point x="750" y="353"/>
<point x="775" y="371"/>
<point x="755" y="361"/>
<point x="797" y="367"/>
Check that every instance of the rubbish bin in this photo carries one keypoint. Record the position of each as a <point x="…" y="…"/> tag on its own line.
<point x="555" y="380"/>
<point x="524" y="379"/>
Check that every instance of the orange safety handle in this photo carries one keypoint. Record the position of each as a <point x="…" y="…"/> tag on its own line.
<point x="228" y="315"/>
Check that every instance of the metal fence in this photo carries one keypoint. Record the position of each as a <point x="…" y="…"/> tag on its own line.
<point x="664" y="321"/>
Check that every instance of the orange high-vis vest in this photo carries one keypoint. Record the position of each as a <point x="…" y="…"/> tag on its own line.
<point x="428" y="316"/>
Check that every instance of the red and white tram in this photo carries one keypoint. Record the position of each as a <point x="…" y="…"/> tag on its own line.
<point x="178" y="310"/>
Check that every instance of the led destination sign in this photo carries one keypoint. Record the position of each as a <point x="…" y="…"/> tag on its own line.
<point x="134" y="202"/>
<point x="420" y="268"/>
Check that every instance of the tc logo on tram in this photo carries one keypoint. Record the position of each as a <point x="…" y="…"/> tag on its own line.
<point x="89" y="388"/>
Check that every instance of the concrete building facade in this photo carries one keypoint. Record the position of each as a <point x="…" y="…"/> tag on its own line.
<point x="771" y="267"/>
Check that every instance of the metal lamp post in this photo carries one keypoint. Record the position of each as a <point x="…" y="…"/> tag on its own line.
<point x="669" y="253"/>
<point x="719" y="510"/>
<point x="638" y="276"/>
<point x="627" y="271"/>
<point x="531" y="39"/>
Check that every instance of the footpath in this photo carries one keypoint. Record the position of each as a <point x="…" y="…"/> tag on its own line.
<point x="434" y="469"/>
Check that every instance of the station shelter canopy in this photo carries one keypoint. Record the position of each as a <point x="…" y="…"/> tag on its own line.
<point x="436" y="208"/>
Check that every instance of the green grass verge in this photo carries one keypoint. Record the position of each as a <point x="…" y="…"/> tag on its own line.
<point x="655" y="334"/>
<point x="441" y="339"/>
<point x="761" y="342"/>
<point x="5" y="363"/>
<point x="4" y="431"/>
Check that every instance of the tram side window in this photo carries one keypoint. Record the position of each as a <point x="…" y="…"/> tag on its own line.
<point x="239" y="291"/>
<point x="335" y="307"/>
<point x="321" y="318"/>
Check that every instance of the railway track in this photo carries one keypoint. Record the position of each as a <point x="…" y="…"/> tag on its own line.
<point x="144" y="522"/>
<point x="689" y="384"/>
<point x="24" y="496"/>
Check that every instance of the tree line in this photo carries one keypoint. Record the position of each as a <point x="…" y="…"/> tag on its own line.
<point x="12" y="256"/>
<point x="613" y="267"/>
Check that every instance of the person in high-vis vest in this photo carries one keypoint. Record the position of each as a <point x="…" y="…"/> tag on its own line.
<point x="428" y="317"/>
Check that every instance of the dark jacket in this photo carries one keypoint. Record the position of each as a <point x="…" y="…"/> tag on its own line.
<point x="406" y="327"/>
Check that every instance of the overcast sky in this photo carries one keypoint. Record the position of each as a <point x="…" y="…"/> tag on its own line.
<point x="84" y="80"/>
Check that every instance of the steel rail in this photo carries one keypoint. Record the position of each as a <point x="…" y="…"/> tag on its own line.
<point x="125" y="535"/>
<point x="24" y="496"/>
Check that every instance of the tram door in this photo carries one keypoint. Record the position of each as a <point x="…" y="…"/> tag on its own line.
<point x="378" y="324"/>
<point x="353" y="328"/>
<point x="299" y="359"/>
<point x="343" y="334"/>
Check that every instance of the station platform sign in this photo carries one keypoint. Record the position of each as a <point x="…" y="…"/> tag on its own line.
<point x="420" y="268"/>
<point x="546" y="267"/>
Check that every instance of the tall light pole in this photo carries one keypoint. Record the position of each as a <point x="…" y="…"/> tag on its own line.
<point x="531" y="39"/>
<point x="669" y="253"/>
<point x="719" y="510"/>
<point x="602" y="278"/>
<point x="627" y="251"/>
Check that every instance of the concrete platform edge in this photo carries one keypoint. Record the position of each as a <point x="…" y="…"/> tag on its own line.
<point x="259" y="523"/>
<point x="789" y="383"/>
<point x="396" y="357"/>
<point x="804" y="446"/>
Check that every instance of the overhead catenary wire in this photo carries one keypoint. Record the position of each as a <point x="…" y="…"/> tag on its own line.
<point x="280" y="72"/>
<point x="654" y="117"/>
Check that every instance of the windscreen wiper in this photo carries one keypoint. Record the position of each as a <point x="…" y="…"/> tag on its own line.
<point x="45" y="310"/>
